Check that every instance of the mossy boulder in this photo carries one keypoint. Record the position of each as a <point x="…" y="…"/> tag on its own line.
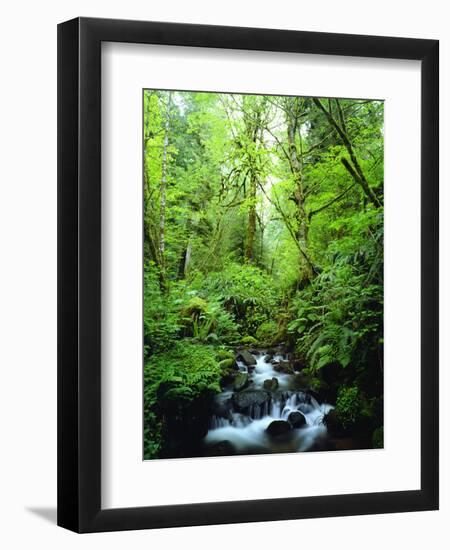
<point x="284" y="367"/>
<point x="246" y="357"/>
<point x="240" y="381"/>
<point x="248" y="398"/>
<point x="228" y="376"/>
<point x="249" y="341"/>
<point x="271" y="384"/>
<point x="229" y="363"/>
<point x="194" y="308"/>
<point x="222" y="354"/>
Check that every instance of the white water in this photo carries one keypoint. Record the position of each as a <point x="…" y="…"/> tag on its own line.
<point x="265" y="370"/>
<point x="247" y="432"/>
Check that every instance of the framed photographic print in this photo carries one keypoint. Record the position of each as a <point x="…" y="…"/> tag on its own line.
<point x="248" y="275"/>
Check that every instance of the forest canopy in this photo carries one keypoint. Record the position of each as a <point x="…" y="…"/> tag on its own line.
<point x="263" y="226"/>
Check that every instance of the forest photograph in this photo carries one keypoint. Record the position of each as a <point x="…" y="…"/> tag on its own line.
<point x="263" y="274"/>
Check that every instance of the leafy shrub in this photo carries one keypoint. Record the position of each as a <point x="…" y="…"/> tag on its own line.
<point x="208" y="321"/>
<point x="338" y="318"/>
<point x="152" y="435"/>
<point x="186" y="365"/>
<point x="348" y="406"/>
<point x="176" y="383"/>
<point x="268" y="333"/>
<point x="161" y="318"/>
<point x="246" y="292"/>
<point x="182" y="312"/>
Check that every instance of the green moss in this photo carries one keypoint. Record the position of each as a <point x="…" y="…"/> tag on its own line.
<point x="227" y="363"/>
<point x="195" y="307"/>
<point x="249" y="341"/>
<point x="224" y="354"/>
<point x="240" y="381"/>
<point x="228" y="376"/>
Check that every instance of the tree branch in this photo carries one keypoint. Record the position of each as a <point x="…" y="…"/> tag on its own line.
<point x="290" y="229"/>
<point x="323" y="207"/>
<point x="357" y="172"/>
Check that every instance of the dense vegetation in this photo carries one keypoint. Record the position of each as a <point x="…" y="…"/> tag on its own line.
<point x="263" y="224"/>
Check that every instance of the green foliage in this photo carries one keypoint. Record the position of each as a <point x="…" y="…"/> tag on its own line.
<point x="173" y="381"/>
<point x="186" y="365"/>
<point x="187" y="369"/>
<point x="338" y="318"/>
<point x="348" y="406"/>
<point x="268" y="333"/>
<point x="161" y="318"/>
<point x="246" y="292"/>
<point x="195" y="308"/>
<point x="256" y="232"/>
<point x="223" y="353"/>
<point x="227" y="363"/>
<point x="208" y="322"/>
<point x="248" y="341"/>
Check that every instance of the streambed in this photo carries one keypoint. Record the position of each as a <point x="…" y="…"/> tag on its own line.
<point x="269" y="414"/>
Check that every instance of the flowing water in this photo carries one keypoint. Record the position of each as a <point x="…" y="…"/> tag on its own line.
<point x="244" y="428"/>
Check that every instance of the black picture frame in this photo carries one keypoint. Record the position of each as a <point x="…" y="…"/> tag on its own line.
<point x="79" y="274"/>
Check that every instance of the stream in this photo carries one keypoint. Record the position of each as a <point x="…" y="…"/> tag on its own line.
<point x="269" y="414"/>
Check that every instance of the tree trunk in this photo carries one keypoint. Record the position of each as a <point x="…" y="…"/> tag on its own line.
<point x="163" y="190"/>
<point x="151" y="230"/>
<point x="251" y="224"/>
<point x="296" y="170"/>
<point x="149" y="235"/>
<point x="254" y="133"/>
<point x="298" y="196"/>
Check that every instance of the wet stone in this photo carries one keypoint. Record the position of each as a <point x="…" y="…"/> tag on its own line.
<point x="278" y="428"/>
<point x="271" y="384"/>
<point x="246" y="357"/>
<point x="296" y="419"/>
<point x="247" y="398"/>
